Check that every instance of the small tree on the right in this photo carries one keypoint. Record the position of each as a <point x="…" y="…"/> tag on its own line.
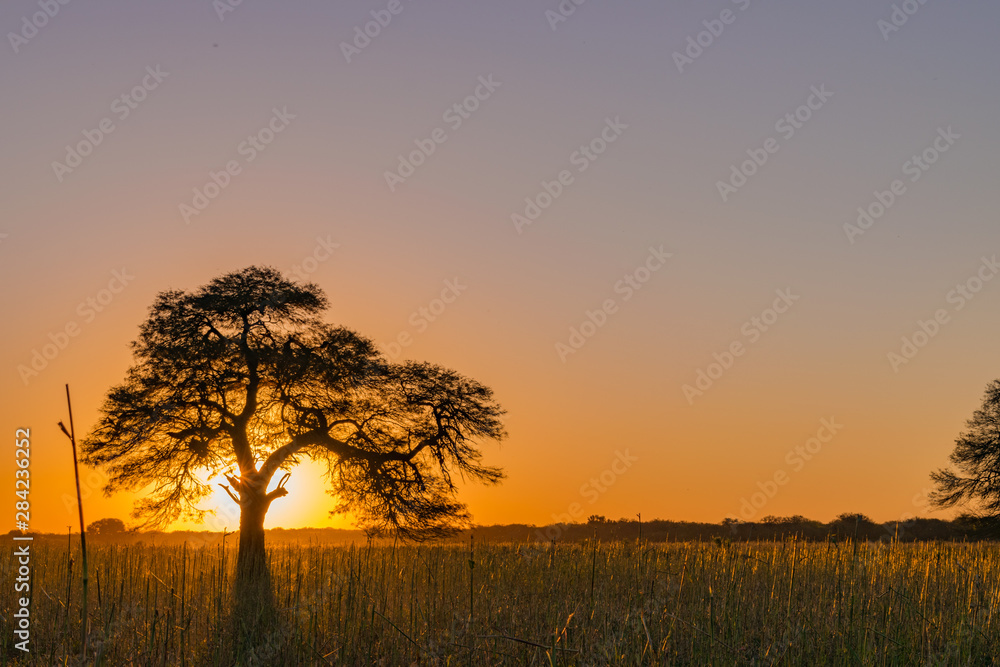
<point x="974" y="479"/>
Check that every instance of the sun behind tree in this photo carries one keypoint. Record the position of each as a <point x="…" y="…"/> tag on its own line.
<point x="243" y="377"/>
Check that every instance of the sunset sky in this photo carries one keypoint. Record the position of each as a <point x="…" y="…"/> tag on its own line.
<point x="688" y="173"/>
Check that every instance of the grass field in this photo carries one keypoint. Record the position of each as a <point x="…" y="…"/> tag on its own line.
<point x="787" y="603"/>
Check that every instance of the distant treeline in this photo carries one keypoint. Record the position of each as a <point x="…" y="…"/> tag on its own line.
<point x="846" y="526"/>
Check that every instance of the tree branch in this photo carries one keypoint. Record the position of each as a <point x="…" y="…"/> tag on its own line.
<point x="231" y="494"/>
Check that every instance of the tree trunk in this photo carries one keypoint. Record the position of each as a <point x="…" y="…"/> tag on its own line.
<point x="254" y="611"/>
<point x="251" y="560"/>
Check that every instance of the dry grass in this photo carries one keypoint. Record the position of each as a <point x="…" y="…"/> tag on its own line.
<point x="787" y="603"/>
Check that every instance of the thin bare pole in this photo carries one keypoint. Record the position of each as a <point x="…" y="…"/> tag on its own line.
<point x="71" y="434"/>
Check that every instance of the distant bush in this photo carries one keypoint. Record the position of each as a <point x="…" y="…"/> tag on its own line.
<point x="105" y="527"/>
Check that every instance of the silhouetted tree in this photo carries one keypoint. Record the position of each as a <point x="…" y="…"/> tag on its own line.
<point x="105" y="527"/>
<point x="975" y="478"/>
<point x="243" y="373"/>
<point x="856" y="525"/>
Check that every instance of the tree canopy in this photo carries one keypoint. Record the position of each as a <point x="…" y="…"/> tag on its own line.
<point x="243" y="378"/>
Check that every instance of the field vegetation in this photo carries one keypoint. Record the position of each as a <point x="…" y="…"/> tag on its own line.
<point x="719" y="602"/>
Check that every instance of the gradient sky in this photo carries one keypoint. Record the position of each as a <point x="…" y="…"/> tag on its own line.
<point x="618" y="397"/>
